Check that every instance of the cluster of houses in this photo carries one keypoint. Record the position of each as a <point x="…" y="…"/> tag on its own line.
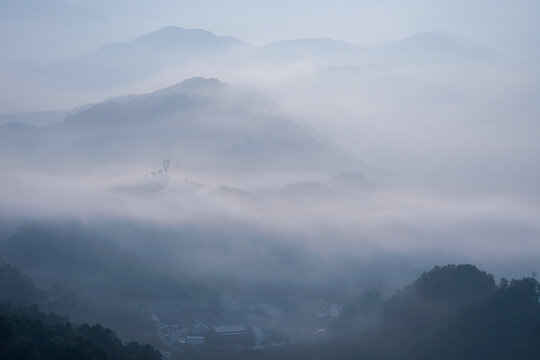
<point x="259" y="333"/>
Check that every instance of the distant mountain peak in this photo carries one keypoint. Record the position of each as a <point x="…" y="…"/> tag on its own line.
<point x="195" y="85"/>
<point x="174" y="34"/>
<point x="174" y="31"/>
<point x="444" y="44"/>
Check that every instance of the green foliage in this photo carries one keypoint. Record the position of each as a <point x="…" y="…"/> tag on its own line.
<point x="17" y="288"/>
<point x="25" y="333"/>
<point x="436" y="297"/>
<point x="20" y="290"/>
<point x="450" y="312"/>
<point x="503" y="326"/>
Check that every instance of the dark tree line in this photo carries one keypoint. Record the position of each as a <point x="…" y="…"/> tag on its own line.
<point x="28" y="334"/>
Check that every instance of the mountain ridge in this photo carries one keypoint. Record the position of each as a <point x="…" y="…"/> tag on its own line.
<point x="218" y="124"/>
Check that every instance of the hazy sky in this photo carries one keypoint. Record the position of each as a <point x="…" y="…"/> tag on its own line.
<point x="512" y="25"/>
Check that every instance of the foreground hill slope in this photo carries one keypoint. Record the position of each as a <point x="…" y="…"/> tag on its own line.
<point x="26" y="333"/>
<point x="505" y="325"/>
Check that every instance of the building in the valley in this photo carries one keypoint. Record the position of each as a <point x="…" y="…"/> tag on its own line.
<point x="230" y="330"/>
<point x="200" y="330"/>
<point x="233" y="334"/>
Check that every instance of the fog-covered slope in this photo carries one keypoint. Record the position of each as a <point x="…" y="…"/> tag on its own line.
<point x="152" y="59"/>
<point x="198" y="123"/>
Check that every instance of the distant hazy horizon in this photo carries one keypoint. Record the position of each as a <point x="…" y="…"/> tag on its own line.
<point x="511" y="27"/>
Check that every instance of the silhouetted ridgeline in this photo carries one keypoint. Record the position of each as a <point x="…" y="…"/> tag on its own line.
<point x="26" y="333"/>
<point x="505" y="325"/>
<point x="20" y="290"/>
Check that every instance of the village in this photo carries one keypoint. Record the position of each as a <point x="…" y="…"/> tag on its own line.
<point x="241" y="323"/>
